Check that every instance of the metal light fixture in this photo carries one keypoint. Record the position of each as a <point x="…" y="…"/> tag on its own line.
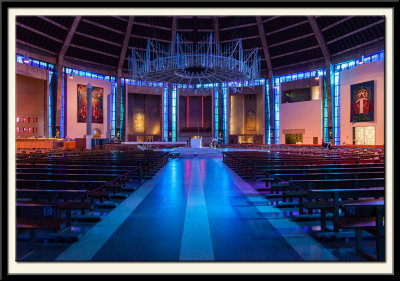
<point x="205" y="62"/>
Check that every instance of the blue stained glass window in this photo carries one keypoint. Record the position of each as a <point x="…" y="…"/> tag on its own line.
<point x="20" y="59"/>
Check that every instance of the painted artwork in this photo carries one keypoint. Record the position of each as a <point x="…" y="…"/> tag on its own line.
<point x="251" y="120"/>
<point x="97" y="104"/>
<point x="362" y="102"/>
<point x="139" y="121"/>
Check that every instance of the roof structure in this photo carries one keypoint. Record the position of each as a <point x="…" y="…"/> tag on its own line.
<point x="284" y="42"/>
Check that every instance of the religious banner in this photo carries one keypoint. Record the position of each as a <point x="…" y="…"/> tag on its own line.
<point x="362" y="102"/>
<point x="97" y="104"/>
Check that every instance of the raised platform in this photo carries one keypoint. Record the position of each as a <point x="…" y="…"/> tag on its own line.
<point x="189" y="152"/>
<point x="155" y="143"/>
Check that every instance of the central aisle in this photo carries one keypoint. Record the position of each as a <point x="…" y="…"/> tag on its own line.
<point x="196" y="210"/>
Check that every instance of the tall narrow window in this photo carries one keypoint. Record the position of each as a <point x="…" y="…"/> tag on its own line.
<point x="267" y="113"/>
<point x="276" y="110"/>
<point x="174" y="113"/>
<point x="216" y="113"/>
<point x="224" y="112"/>
<point x="336" y="110"/>
<point x="165" y="119"/>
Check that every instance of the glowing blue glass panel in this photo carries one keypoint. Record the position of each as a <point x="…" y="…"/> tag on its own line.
<point x="165" y="117"/>
<point x="225" y="112"/>
<point x="216" y="113"/>
<point x="174" y="112"/>
<point x="276" y="112"/>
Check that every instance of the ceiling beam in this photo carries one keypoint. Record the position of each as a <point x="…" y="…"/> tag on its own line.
<point x="243" y="38"/>
<point x="68" y="38"/>
<point x="87" y="62"/>
<point x="238" y="26"/>
<point x="216" y="28"/>
<point x="53" y="22"/>
<point x="291" y="40"/>
<point x="151" y="38"/>
<point x="270" y="19"/>
<point x="264" y="44"/>
<point x="173" y="35"/>
<point x="39" y="32"/>
<point x="18" y="41"/>
<point x="102" y="26"/>
<point x="336" y="23"/>
<point x="328" y="67"/>
<point x="360" y="46"/>
<point x="126" y="42"/>
<point x="356" y="31"/>
<point x="299" y="63"/>
<point x="287" y="27"/>
<point x="319" y="37"/>
<point x="120" y="18"/>
<point x="295" y="52"/>
<point x="94" y="51"/>
<point x="98" y="39"/>
<point x="153" y="26"/>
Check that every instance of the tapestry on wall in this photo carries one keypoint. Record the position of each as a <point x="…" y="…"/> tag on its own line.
<point x="97" y="104"/>
<point x="362" y="102"/>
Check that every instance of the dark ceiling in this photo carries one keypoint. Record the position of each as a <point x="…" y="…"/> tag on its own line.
<point x="291" y="41"/>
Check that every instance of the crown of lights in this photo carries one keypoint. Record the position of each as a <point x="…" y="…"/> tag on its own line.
<point x="183" y="62"/>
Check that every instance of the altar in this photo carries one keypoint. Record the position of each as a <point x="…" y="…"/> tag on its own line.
<point x="196" y="142"/>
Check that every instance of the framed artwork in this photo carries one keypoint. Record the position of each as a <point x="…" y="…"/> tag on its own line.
<point x="97" y="104"/>
<point x="362" y="102"/>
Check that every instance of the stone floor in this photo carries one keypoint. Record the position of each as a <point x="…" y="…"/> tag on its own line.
<point x="197" y="209"/>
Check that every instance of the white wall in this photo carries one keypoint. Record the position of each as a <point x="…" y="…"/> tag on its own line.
<point x="78" y="130"/>
<point x="362" y="73"/>
<point x="304" y="115"/>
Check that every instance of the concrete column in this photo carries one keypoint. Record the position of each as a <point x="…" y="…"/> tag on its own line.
<point x="89" y="116"/>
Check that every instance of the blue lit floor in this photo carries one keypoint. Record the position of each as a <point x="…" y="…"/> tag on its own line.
<point x="199" y="210"/>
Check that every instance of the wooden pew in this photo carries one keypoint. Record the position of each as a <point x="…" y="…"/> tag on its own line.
<point x="88" y="177"/>
<point x="365" y="216"/>
<point x="69" y="199"/>
<point x="58" y="184"/>
<point x="330" y="200"/>
<point x="325" y="176"/>
<point x="33" y="216"/>
<point x="134" y="171"/>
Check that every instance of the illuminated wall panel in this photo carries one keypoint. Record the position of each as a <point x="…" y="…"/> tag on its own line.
<point x="336" y="109"/>
<point x="174" y="112"/>
<point x="113" y="109"/>
<point x="277" y="87"/>
<point x="224" y="112"/>
<point x="267" y="114"/>
<point x="122" y="112"/>
<point x="63" y="124"/>
<point x="165" y="114"/>
<point x="51" y="105"/>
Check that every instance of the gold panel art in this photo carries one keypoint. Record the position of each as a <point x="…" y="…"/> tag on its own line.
<point x="251" y="120"/>
<point x="139" y="121"/>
